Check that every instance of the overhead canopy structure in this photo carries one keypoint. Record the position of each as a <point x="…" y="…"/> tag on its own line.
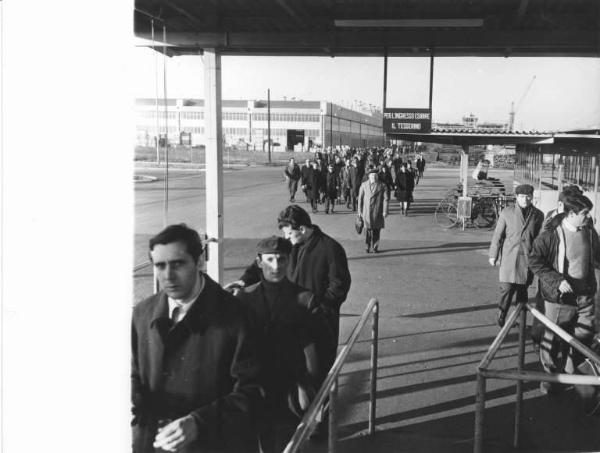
<point x="370" y="27"/>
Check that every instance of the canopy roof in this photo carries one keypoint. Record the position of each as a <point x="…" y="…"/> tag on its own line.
<point x="367" y="27"/>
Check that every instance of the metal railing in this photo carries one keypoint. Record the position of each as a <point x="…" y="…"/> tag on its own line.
<point x="330" y="386"/>
<point x="519" y="375"/>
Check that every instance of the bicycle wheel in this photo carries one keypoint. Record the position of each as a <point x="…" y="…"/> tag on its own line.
<point x="446" y="215"/>
<point x="483" y="214"/>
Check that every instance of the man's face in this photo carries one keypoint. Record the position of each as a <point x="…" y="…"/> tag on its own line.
<point x="294" y="236"/>
<point x="175" y="269"/>
<point x="307" y="162"/>
<point x="292" y="161"/>
<point x="524" y="200"/>
<point x="579" y="219"/>
<point x="273" y="266"/>
<point x="372" y="177"/>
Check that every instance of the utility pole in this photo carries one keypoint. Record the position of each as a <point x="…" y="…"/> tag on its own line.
<point x="269" y="120"/>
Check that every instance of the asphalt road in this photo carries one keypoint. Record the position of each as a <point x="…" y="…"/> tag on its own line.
<point x="437" y="315"/>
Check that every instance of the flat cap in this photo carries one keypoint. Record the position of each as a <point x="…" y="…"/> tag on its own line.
<point x="274" y="244"/>
<point x="372" y="170"/>
<point x="525" y="189"/>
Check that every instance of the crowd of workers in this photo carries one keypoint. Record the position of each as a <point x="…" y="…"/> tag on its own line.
<point x="232" y="369"/>
<point x="363" y="180"/>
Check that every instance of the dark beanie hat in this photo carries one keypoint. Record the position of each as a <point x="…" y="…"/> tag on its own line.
<point x="293" y="216"/>
<point x="274" y="244"/>
<point x="524" y="189"/>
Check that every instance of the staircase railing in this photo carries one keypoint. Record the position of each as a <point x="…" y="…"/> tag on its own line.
<point x="330" y="387"/>
<point x="519" y="374"/>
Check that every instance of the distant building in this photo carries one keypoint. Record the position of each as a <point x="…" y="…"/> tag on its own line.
<point x="471" y="122"/>
<point x="295" y="125"/>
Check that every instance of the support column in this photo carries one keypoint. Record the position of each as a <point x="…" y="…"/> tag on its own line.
<point x="464" y="167"/>
<point x="214" y="162"/>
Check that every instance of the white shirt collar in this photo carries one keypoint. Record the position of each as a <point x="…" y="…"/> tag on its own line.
<point x="186" y="304"/>
<point x="568" y="226"/>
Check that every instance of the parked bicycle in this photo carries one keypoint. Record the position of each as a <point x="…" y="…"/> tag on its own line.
<point x="485" y="209"/>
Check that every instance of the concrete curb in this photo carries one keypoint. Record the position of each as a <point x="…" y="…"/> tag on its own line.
<point x="144" y="178"/>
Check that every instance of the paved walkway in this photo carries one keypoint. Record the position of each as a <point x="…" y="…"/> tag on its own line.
<point x="438" y="312"/>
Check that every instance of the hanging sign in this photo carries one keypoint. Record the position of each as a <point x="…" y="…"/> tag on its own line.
<point x="398" y="121"/>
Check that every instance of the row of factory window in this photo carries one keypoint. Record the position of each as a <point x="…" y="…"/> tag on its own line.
<point x="233" y="116"/>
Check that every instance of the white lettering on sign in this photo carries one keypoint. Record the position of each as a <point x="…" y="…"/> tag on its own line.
<point x="415" y="126"/>
<point x="406" y="116"/>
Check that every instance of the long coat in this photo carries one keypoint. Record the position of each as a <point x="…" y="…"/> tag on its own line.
<point x="311" y="180"/>
<point x="205" y="366"/>
<point x="405" y="184"/>
<point x="512" y="241"/>
<point x="373" y="202"/>
<point x="354" y="179"/>
<point x="286" y="319"/>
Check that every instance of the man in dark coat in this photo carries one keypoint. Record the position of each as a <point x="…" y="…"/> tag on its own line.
<point x="195" y="369"/>
<point x="354" y="181"/>
<point x="331" y="188"/>
<point x="289" y="327"/>
<point x="317" y="263"/>
<point x="310" y="184"/>
<point x="306" y="168"/>
<point x="292" y="176"/>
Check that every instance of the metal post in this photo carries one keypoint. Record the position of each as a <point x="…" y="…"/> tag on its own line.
<point x="166" y="193"/>
<point x="385" y="66"/>
<point x="479" y="413"/>
<point x="520" y="365"/>
<point x="333" y="392"/>
<point x="374" y="355"/>
<point x="561" y="169"/>
<point x="269" y="121"/>
<point x="431" y="81"/>
<point x="156" y="96"/>
<point x="214" y="162"/>
<point x="596" y="179"/>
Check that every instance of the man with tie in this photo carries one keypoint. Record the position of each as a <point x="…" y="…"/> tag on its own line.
<point x="194" y="366"/>
<point x="513" y="238"/>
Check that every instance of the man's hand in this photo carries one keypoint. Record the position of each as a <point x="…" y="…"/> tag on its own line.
<point x="385" y="214"/>
<point x="234" y="287"/>
<point x="492" y="261"/>
<point x="564" y="287"/>
<point x="176" y="434"/>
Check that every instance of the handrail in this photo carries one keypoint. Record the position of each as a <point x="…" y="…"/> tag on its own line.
<point x="330" y="385"/>
<point x="520" y="375"/>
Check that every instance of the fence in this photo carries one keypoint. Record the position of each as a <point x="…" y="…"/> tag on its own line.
<point x="520" y="375"/>
<point x="330" y="386"/>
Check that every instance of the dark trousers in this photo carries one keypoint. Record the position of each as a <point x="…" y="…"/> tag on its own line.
<point x="292" y="187"/>
<point x="329" y="203"/>
<point x="508" y="291"/>
<point x="313" y="201"/>
<point x="354" y="197"/>
<point x="576" y="318"/>
<point x="372" y="237"/>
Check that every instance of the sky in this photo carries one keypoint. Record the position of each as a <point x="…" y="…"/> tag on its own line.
<point x="565" y="93"/>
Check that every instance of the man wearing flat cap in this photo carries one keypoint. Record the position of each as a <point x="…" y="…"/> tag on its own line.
<point x="289" y="326"/>
<point x="513" y="238"/>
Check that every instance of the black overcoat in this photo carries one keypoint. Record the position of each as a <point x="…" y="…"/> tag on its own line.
<point x="205" y="366"/>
